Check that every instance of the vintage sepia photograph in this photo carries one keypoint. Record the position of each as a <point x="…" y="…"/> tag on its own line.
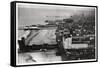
<point x="52" y="33"/>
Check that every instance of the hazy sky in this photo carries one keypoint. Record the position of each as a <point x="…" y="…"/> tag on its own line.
<point x="29" y="14"/>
